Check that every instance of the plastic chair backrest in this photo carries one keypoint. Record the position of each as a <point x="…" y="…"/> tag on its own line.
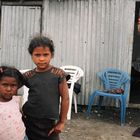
<point x="75" y="72"/>
<point x="113" y="78"/>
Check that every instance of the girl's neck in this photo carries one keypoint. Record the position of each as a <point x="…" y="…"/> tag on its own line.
<point x="43" y="70"/>
<point x="4" y="100"/>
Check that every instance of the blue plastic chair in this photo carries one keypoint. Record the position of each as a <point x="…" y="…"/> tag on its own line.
<point x="112" y="79"/>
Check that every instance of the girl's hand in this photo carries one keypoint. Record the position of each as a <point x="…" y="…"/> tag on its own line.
<point x="57" y="129"/>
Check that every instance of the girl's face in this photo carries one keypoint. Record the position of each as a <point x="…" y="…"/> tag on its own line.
<point x="42" y="56"/>
<point x="8" y="88"/>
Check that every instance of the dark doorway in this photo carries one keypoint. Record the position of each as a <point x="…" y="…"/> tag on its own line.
<point x="135" y="71"/>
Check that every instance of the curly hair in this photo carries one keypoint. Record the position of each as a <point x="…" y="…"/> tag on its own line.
<point x="12" y="72"/>
<point x="40" y="41"/>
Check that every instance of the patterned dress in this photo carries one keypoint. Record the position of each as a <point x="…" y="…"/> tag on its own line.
<point x="11" y="125"/>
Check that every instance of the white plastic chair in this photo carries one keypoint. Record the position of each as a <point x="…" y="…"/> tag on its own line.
<point x="76" y="73"/>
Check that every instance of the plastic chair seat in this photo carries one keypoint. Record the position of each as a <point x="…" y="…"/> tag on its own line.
<point x="101" y="93"/>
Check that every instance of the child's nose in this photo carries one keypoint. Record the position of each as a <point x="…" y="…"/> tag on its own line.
<point x="41" y="58"/>
<point x="9" y="88"/>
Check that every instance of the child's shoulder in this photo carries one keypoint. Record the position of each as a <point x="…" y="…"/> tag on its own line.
<point x="57" y="71"/>
<point x="60" y="73"/>
<point x="17" y="98"/>
<point x="29" y="73"/>
<point x="56" y="68"/>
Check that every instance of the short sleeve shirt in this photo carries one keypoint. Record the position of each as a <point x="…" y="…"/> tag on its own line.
<point x="44" y="96"/>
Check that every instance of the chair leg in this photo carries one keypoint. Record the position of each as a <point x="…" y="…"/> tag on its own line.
<point x="75" y="102"/>
<point x="91" y="100"/>
<point x="70" y="104"/>
<point x="124" y="110"/>
<point x="121" y="111"/>
<point x="69" y="113"/>
<point x="100" y="102"/>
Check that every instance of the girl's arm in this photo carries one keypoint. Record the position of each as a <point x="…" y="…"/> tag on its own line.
<point x="64" y="100"/>
<point x="63" y="87"/>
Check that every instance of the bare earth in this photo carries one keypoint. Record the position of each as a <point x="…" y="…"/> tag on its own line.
<point x="103" y="125"/>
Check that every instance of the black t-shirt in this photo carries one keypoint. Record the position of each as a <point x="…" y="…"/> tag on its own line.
<point x="43" y="99"/>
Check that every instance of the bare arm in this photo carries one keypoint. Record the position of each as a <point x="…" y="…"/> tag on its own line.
<point x="63" y="87"/>
<point x="64" y="101"/>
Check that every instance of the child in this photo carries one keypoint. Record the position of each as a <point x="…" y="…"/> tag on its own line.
<point x="11" y="125"/>
<point x="46" y="85"/>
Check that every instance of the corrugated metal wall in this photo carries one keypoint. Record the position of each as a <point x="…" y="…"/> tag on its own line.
<point x="18" y="23"/>
<point x="93" y="34"/>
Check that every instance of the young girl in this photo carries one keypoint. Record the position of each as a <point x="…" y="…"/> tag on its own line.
<point x="11" y="125"/>
<point x="46" y="85"/>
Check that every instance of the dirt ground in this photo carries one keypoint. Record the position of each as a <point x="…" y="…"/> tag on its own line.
<point x="103" y="125"/>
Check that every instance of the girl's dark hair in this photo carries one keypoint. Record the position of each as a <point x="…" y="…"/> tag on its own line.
<point x="12" y="72"/>
<point x="41" y="41"/>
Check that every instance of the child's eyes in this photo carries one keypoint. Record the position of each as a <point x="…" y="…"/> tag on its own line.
<point x="38" y="55"/>
<point x="45" y="54"/>
<point x="5" y="85"/>
<point x="13" y="85"/>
